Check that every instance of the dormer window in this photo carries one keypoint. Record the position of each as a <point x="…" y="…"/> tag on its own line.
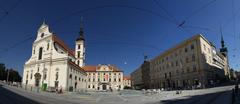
<point x="42" y="35"/>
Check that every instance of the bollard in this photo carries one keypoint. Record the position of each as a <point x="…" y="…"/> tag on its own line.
<point x="233" y="96"/>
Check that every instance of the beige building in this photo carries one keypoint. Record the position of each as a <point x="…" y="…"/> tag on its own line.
<point x="194" y="62"/>
<point x="136" y="77"/>
<point x="104" y="77"/>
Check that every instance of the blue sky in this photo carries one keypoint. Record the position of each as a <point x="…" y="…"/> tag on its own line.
<point x="118" y="31"/>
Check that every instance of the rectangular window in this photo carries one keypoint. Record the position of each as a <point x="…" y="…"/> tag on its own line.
<point x="188" y="69"/>
<point x="165" y="75"/>
<point x="194" y="68"/>
<point x="193" y="57"/>
<point x="186" y="50"/>
<point x="192" y="46"/>
<point x="187" y="60"/>
<point x="204" y="46"/>
<point x="78" y="46"/>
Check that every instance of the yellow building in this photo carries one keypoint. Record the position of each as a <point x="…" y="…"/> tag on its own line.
<point x="194" y="62"/>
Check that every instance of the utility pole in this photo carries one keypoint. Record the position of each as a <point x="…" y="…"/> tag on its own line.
<point x="7" y="75"/>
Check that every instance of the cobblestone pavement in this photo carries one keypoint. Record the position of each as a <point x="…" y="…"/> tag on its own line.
<point x="218" y="95"/>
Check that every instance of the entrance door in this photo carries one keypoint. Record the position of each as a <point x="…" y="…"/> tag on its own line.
<point x="37" y="79"/>
<point x="104" y="86"/>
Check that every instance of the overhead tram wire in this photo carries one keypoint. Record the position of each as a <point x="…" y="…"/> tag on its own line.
<point x="176" y="22"/>
<point x="16" y="44"/>
<point x="117" y="6"/>
<point x="234" y="26"/>
<point x="216" y="31"/>
<point x="7" y="12"/>
<point x="169" y="14"/>
<point x="196" y="11"/>
<point x="110" y="6"/>
<point x="126" y="43"/>
<point x="85" y="10"/>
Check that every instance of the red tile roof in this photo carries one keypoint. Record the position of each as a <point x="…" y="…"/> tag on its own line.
<point x="75" y="65"/>
<point x="63" y="45"/>
<point x="66" y="48"/>
<point x="126" y="78"/>
<point x="92" y="68"/>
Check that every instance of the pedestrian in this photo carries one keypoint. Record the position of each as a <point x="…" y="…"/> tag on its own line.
<point x="56" y="89"/>
<point x="60" y="90"/>
<point x="236" y="89"/>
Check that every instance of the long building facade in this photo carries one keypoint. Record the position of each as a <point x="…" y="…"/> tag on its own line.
<point x="194" y="62"/>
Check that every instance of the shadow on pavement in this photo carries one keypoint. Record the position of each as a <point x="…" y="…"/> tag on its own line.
<point x="200" y="99"/>
<point x="9" y="97"/>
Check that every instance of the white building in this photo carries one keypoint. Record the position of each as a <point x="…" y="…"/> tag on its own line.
<point x="53" y="64"/>
<point x="127" y="81"/>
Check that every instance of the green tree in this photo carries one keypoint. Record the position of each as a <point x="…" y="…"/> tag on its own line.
<point x="14" y="76"/>
<point x="2" y="71"/>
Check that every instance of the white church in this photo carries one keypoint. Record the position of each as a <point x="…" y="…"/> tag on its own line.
<point x="53" y="64"/>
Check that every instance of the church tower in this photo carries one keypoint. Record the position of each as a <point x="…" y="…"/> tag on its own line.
<point x="80" y="47"/>
<point x="223" y="49"/>
<point x="224" y="52"/>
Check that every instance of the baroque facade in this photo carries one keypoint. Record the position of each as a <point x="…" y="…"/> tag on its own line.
<point x="104" y="77"/>
<point x="127" y="81"/>
<point x="53" y="64"/>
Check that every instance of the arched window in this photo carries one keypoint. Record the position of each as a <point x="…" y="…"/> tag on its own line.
<point x="70" y="76"/>
<point x="77" y="62"/>
<point x="40" y="53"/>
<point x="27" y="76"/>
<point x="42" y="35"/>
<point x="45" y="76"/>
<point x="31" y="76"/>
<point x="48" y="46"/>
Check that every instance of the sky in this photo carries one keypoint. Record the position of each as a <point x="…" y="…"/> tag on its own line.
<point x="118" y="32"/>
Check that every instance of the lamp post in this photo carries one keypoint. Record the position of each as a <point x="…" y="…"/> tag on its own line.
<point x="7" y="76"/>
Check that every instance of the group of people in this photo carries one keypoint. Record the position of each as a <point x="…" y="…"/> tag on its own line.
<point x="59" y="91"/>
